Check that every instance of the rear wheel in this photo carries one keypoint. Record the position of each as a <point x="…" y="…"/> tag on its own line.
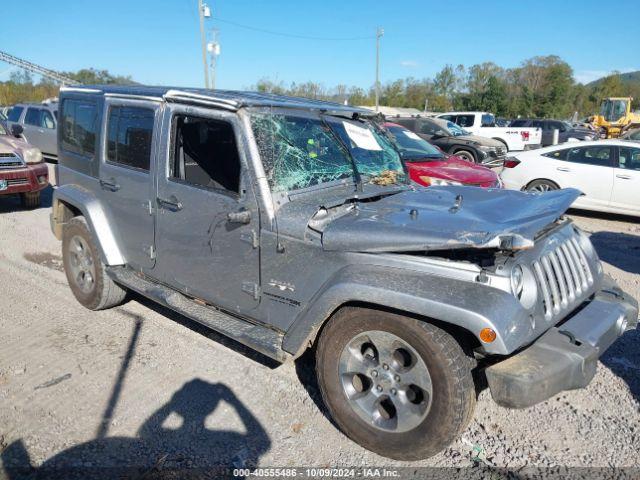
<point x="542" y="185"/>
<point x="466" y="155"/>
<point x="30" y="199"/>
<point x="86" y="275"/>
<point x="396" y="385"/>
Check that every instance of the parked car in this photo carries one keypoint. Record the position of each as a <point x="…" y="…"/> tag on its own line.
<point x="607" y="172"/>
<point x="288" y="223"/>
<point x="455" y="140"/>
<point x="484" y="124"/>
<point x="566" y="132"/>
<point x="39" y="123"/>
<point x="633" y="134"/>
<point x="427" y="165"/>
<point x="22" y="171"/>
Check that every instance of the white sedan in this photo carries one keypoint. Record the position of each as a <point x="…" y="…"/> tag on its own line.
<point x="607" y="172"/>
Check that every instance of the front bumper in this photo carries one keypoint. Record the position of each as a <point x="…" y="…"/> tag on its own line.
<point x="30" y="178"/>
<point x="566" y="356"/>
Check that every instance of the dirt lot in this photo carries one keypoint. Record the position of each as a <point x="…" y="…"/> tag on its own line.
<point x="138" y="385"/>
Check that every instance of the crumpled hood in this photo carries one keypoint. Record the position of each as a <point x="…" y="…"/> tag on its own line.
<point x="438" y="218"/>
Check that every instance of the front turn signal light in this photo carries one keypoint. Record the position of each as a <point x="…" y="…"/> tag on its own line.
<point x="487" y="335"/>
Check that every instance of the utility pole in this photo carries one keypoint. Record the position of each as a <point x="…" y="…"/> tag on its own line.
<point x="203" y="40"/>
<point x="213" y="47"/>
<point x="379" y="33"/>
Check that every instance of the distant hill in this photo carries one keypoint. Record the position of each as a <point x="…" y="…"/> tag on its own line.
<point x="626" y="78"/>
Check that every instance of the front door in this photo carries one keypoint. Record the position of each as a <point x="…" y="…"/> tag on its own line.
<point x="130" y="129"/>
<point x="40" y="130"/>
<point x="207" y="221"/>
<point x="626" y="181"/>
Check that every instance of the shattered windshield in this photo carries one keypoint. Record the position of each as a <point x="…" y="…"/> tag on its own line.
<point x="300" y="151"/>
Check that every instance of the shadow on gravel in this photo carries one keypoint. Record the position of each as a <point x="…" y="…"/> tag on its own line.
<point x="176" y="441"/>
<point x="618" y="249"/>
<point x="11" y="203"/>
<point x="623" y="359"/>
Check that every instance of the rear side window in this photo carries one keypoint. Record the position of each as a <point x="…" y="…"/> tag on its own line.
<point x="519" y="123"/>
<point x="14" y="114"/>
<point x="79" y="120"/>
<point x="466" y="120"/>
<point x="33" y="117"/>
<point x="597" y="155"/>
<point x="129" y="135"/>
<point x="558" y="154"/>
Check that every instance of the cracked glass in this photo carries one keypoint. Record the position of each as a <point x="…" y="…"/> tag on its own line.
<point x="300" y="151"/>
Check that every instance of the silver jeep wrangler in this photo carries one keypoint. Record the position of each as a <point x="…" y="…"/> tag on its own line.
<point x="289" y="224"/>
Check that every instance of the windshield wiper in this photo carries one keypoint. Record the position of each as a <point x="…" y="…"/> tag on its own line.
<point x="345" y="147"/>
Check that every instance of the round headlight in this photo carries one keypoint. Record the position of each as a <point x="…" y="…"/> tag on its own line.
<point x="517" y="281"/>
<point x="523" y="285"/>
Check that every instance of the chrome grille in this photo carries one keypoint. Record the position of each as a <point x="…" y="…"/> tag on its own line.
<point x="563" y="276"/>
<point x="17" y="181"/>
<point x="10" y="160"/>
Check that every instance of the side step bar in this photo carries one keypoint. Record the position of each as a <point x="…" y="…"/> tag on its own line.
<point x="259" y="338"/>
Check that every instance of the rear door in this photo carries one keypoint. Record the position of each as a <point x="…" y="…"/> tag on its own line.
<point x="590" y="170"/>
<point x="626" y="181"/>
<point x="130" y="133"/>
<point x="33" y="131"/>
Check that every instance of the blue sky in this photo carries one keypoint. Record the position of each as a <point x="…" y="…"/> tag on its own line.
<point x="157" y="42"/>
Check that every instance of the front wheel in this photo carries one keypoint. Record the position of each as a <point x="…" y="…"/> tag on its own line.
<point x="398" y="386"/>
<point x="540" y="186"/>
<point x="466" y="155"/>
<point x="30" y="199"/>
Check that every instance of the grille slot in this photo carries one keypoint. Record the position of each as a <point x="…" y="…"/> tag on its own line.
<point x="563" y="276"/>
<point x="10" y="160"/>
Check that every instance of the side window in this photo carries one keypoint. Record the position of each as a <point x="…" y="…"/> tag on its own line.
<point x="14" y="114"/>
<point x="428" y="128"/>
<point x="33" y="117"/>
<point x="79" y="119"/>
<point x="599" y="155"/>
<point x="205" y="154"/>
<point x="629" y="158"/>
<point x="465" y="120"/>
<point x="451" y="118"/>
<point x="538" y="124"/>
<point x="129" y="135"/>
<point x="47" y="120"/>
<point x="558" y="154"/>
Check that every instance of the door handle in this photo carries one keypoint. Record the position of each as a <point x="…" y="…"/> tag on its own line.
<point x="171" y="203"/>
<point x="110" y="185"/>
<point x="563" y="169"/>
<point x="243" y="217"/>
<point x="624" y="177"/>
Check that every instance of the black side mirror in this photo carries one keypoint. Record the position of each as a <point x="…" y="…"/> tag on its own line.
<point x="16" y="130"/>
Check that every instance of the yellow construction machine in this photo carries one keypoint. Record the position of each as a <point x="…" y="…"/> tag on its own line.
<point x="615" y="116"/>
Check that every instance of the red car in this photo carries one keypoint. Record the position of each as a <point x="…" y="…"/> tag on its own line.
<point x="428" y="165"/>
<point x="22" y="170"/>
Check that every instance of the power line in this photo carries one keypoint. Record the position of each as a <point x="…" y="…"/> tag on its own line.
<point x="293" y="35"/>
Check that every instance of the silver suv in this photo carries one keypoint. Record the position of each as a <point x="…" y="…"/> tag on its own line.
<point x="289" y="224"/>
<point x="37" y="123"/>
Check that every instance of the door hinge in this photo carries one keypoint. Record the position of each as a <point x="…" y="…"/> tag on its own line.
<point x="252" y="289"/>
<point x="251" y="237"/>
<point x="150" y="250"/>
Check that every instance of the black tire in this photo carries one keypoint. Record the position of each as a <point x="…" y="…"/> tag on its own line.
<point x="104" y="292"/>
<point x="30" y="199"/>
<point x="453" y="392"/>
<point x="542" y="185"/>
<point x="466" y="155"/>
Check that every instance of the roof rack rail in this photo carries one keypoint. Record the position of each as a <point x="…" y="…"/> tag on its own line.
<point x="180" y="96"/>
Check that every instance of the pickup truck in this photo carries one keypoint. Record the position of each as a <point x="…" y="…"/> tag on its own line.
<point x="484" y="125"/>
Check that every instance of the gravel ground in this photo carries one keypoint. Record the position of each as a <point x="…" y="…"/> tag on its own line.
<point x="139" y="385"/>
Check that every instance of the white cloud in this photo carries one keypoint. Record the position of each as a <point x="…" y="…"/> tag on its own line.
<point x="586" y="76"/>
<point x="409" y="63"/>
